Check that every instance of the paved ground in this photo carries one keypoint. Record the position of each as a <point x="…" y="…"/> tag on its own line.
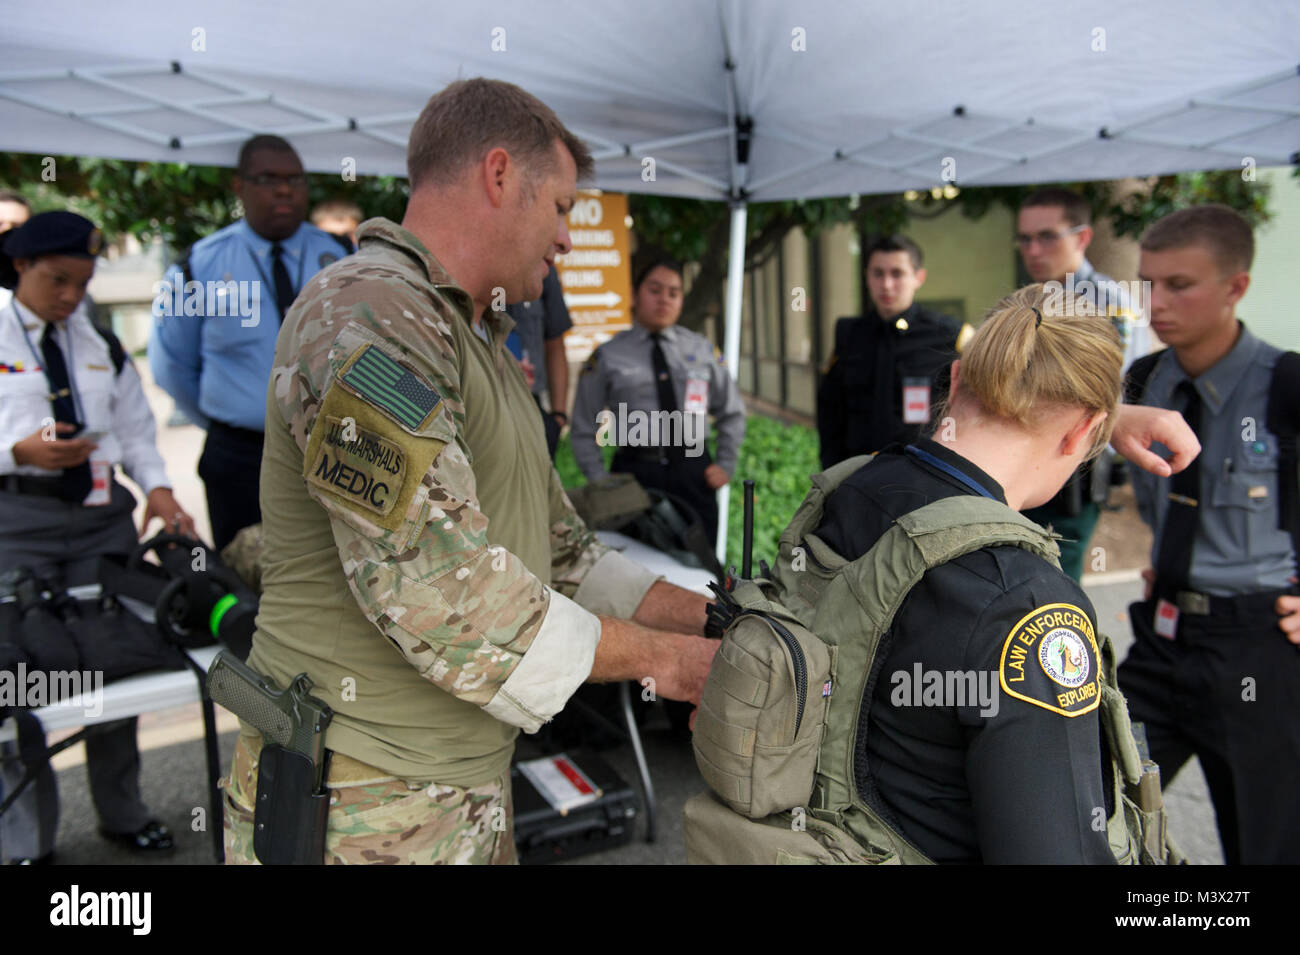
<point x="173" y="771"/>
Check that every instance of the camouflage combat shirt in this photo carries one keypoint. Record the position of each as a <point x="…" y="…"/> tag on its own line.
<point x="420" y="555"/>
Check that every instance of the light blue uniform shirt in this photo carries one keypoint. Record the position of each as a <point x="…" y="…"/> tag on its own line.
<point x="213" y="354"/>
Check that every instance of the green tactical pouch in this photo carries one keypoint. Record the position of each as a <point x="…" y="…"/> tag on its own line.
<point x="717" y="836"/>
<point x="759" y="725"/>
<point x="1139" y="826"/>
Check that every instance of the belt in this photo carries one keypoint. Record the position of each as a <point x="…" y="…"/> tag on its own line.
<point x="243" y="435"/>
<point x="37" y="486"/>
<point x="1208" y="605"/>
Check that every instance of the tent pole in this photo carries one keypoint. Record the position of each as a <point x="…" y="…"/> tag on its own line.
<point x="731" y="341"/>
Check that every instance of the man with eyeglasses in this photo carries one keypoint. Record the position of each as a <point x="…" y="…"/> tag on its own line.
<point x="217" y="315"/>
<point x="1053" y="230"/>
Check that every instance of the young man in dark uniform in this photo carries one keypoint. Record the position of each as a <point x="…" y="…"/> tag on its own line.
<point x="1211" y="672"/>
<point x="881" y="381"/>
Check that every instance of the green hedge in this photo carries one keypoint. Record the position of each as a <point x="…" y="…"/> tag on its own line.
<point x="778" y="457"/>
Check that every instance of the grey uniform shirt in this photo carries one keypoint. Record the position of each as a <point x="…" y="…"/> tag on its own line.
<point x="1112" y="298"/>
<point x="620" y="373"/>
<point x="1239" y="548"/>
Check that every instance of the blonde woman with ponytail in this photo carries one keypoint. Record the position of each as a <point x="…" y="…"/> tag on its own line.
<point x="1010" y="769"/>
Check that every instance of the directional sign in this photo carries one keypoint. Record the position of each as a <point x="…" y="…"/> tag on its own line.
<point x="596" y="274"/>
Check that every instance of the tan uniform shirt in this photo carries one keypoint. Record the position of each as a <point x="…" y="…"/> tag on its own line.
<point x="417" y="539"/>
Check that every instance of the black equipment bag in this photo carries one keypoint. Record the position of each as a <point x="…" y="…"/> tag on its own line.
<point x="546" y="830"/>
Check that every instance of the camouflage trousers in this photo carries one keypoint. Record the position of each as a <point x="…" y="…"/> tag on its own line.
<point x="377" y="819"/>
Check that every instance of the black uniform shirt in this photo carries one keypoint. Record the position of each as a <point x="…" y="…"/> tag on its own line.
<point x="860" y="399"/>
<point x="1008" y="777"/>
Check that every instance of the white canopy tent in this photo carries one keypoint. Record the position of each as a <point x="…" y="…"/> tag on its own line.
<point x="719" y="99"/>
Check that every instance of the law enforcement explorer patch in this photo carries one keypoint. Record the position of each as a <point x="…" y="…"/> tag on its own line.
<point x="360" y="466"/>
<point x="391" y="387"/>
<point x="1050" y="660"/>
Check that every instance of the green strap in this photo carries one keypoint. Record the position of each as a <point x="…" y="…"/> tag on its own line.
<point x="219" y="610"/>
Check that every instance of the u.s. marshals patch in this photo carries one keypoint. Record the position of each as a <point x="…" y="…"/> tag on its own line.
<point x="391" y="387"/>
<point x="1050" y="659"/>
<point x="359" y="466"/>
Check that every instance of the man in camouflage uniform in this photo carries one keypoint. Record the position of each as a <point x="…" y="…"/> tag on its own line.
<point x="421" y="563"/>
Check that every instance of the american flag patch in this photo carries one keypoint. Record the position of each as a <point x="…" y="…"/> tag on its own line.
<point x="390" y="387"/>
<point x="826" y="688"/>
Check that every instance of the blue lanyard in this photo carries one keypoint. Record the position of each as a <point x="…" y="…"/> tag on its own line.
<point x="947" y="468"/>
<point x="77" y="406"/>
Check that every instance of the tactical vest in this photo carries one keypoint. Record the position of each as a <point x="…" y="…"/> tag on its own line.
<point x="778" y="724"/>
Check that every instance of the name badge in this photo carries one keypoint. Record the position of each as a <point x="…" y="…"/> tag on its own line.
<point x="916" y="400"/>
<point x="101" y="477"/>
<point x="697" y="396"/>
<point x="1166" y="619"/>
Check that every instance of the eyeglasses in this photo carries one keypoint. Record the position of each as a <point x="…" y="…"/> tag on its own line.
<point x="266" y="179"/>
<point x="1045" y="239"/>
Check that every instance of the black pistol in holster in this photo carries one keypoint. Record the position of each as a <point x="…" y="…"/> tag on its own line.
<point x="292" y="802"/>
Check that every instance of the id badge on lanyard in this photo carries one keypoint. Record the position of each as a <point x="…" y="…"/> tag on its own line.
<point x="1166" y="623"/>
<point x="916" y="400"/>
<point x="101" y="487"/>
<point x="697" y="396"/>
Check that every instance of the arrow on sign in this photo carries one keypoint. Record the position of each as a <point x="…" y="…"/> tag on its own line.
<point x="607" y="299"/>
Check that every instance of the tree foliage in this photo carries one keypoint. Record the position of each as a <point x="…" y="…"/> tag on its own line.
<point x="181" y="203"/>
<point x="177" y="202"/>
<point x="697" y="231"/>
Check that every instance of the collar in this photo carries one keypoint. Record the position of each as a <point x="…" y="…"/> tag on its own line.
<point x="385" y="232"/>
<point x="911" y="315"/>
<point x="33" y="324"/>
<point x="261" y="246"/>
<point x="956" y="461"/>
<point x="1216" y="385"/>
<point x="642" y="334"/>
<point x="1085" y="272"/>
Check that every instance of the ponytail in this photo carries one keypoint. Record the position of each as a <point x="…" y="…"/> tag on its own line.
<point x="1037" y="353"/>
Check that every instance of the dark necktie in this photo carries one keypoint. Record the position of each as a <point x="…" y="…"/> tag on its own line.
<point x="283" y="286"/>
<point x="663" y="378"/>
<point x="76" y="482"/>
<point x="1174" y="560"/>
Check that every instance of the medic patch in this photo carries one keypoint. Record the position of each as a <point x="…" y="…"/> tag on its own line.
<point x="359" y="466"/>
<point x="1050" y="659"/>
<point x="391" y="387"/>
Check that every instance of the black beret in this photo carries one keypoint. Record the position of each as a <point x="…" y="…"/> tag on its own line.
<point x="50" y="233"/>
